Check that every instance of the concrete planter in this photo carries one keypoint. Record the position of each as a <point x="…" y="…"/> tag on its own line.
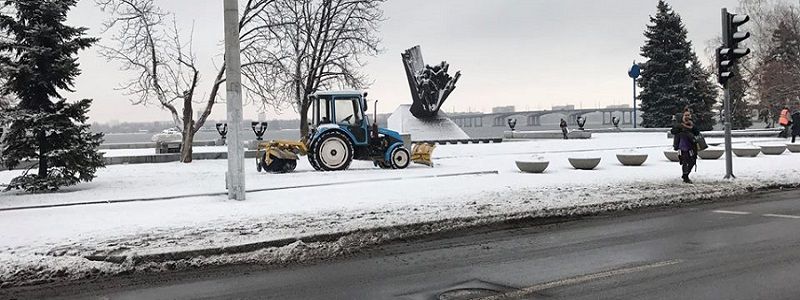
<point x="584" y="163"/>
<point x="746" y="152"/>
<point x="632" y="159"/>
<point x="773" y="149"/>
<point x="672" y="155"/>
<point x="533" y="166"/>
<point x="794" y="148"/>
<point x="711" y="154"/>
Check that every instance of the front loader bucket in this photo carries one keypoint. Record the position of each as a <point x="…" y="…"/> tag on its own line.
<point x="421" y="154"/>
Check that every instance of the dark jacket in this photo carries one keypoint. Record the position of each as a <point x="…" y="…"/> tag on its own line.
<point x="563" y="124"/>
<point x="796" y="123"/>
<point x="679" y="131"/>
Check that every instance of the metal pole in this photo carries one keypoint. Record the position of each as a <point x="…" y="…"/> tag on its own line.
<point x="728" y="154"/>
<point x="634" y="103"/>
<point x="235" y="175"/>
<point x="727" y="105"/>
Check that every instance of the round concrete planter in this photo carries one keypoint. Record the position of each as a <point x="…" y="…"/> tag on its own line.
<point x="794" y="148"/>
<point x="584" y="163"/>
<point x="532" y="166"/>
<point x="632" y="159"/>
<point x="672" y="155"/>
<point x="773" y="149"/>
<point x="746" y="152"/>
<point x="711" y="154"/>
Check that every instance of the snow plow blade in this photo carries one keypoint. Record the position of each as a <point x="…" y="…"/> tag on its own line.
<point x="421" y="154"/>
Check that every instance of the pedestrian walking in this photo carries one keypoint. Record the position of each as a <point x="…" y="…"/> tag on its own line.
<point x="795" y="125"/>
<point x="564" y="129"/>
<point x="685" y="142"/>
<point x="784" y="121"/>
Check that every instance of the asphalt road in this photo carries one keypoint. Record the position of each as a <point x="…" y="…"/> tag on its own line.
<point x="747" y="249"/>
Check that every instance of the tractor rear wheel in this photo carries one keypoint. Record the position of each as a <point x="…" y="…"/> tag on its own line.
<point x="332" y="151"/>
<point x="311" y="158"/>
<point x="400" y="158"/>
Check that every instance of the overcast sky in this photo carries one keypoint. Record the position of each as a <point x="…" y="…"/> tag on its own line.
<point x="529" y="53"/>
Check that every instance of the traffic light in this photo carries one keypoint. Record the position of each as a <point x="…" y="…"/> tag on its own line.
<point x="730" y="52"/>
<point x="724" y="66"/>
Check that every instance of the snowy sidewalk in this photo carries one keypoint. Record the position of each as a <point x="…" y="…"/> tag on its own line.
<point x="37" y="243"/>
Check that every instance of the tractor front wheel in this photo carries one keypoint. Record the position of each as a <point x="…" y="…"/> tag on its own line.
<point x="400" y="158"/>
<point x="333" y="151"/>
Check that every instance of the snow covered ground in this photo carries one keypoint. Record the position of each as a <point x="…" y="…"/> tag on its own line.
<point x="50" y="244"/>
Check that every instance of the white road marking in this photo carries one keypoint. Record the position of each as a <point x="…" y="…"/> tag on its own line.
<point x="781" y="216"/>
<point x="581" y="279"/>
<point x="731" y="212"/>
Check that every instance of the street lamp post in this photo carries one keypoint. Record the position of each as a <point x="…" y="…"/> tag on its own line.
<point x="634" y="73"/>
<point x="233" y="73"/>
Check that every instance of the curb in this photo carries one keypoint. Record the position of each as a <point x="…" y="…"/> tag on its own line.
<point x="422" y="229"/>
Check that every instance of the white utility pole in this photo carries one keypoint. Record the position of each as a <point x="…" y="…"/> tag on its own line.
<point x="233" y="73"/>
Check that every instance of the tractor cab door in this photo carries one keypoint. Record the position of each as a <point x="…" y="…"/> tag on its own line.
<point x="349" y="114"/>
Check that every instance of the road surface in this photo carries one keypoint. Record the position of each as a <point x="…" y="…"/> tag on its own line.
<point x="747" y="249"/>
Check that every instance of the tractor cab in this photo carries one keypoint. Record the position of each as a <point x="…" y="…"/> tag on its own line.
<point x="346" y="110"/>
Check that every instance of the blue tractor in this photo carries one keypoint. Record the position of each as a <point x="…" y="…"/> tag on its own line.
<point x="339" y="132"/>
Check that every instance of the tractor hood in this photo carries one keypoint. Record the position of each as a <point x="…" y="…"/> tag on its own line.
<point x="390" y="133"/>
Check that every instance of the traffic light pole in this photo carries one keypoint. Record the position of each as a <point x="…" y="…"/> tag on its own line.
<point x="728" y="139"/>
<point x="234" y="178"/>
<point x="634" y="103"/>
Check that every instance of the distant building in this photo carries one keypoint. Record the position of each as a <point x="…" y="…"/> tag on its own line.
<point x="619" y="106"/>
<point x="563" y="107"/>
<point x="503" y="109"/>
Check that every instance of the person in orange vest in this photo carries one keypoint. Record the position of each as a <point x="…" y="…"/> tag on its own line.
<point x="784" y="121"/>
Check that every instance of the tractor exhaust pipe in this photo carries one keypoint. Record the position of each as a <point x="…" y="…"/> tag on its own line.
<point x="375" y="122"/>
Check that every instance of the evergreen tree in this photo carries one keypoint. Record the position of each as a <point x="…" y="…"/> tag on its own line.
<point x="703" y="96"/>
<point x="38" y="61"/>
<point x="673" y="78"/>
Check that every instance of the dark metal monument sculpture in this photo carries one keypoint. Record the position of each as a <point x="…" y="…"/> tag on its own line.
<point x="430" y="85"/>
<point x="581" y="122"/>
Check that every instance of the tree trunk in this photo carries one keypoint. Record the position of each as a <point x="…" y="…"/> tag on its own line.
<point x="188" y="140"/>
<point x="43" y="154"/>
<point x="303" y="121"/>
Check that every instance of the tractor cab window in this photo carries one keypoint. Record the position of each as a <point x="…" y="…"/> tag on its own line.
<point x="321" y="111"/>
<point x="347" y="111"/>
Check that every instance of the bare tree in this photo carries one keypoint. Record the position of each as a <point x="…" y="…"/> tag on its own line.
<point x="774" y="67"/>
<point x="320" y="44"/>
<point x="148" y="43"/>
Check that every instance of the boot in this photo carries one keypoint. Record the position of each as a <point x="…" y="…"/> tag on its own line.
<point x="686" y="179"/>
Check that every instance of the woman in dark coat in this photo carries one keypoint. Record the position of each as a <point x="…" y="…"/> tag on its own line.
<point x="795" y="125"/>
<point x="686" y="143"/>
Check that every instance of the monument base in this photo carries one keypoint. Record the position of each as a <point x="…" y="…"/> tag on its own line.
<point x="440" y="128"/>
